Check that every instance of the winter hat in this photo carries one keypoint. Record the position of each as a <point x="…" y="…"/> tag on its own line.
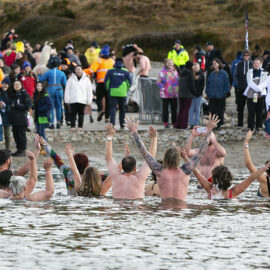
<point x="189" y="65"/>
<point x="26" y="64"/>
<point x="105" y="50"/>
<point x="178" y="41"/>
<point x="94" y="44"/>
<point x="6" y="80"/>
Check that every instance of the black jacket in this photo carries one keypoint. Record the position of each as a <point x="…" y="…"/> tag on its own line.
<point x="240" y="76"/>
<point x="199" y="84"/>
<point x="19" y="103"/>
<point x="186" y="84"/>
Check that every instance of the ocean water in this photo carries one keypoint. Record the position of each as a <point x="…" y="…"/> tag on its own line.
<point x="100" y="233"/>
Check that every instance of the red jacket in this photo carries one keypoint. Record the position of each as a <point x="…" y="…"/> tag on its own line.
<point x="9" y="58"/>
<point x="29" y="84"/>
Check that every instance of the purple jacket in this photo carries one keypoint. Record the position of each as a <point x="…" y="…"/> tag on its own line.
<point x="168" y="82"/>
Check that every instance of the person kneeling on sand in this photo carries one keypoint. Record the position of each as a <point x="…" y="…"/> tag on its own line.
<point x="172" y="180"/>
<point x="130" y="183"/>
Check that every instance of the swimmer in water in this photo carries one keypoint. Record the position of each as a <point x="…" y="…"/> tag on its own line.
<point x="152" y="188"/>
<point x="263" y="179"/>
<point x="129" y="183"/>
<point x="172" y="180"/>
<point x="222" y="179"/>
<point x="213" y="157"/>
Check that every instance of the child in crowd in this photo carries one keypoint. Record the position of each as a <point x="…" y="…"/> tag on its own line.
<point x="42" y="106"/>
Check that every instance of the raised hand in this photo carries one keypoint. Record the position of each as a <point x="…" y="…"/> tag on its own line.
<point x="248" y="136"/>
<point x="47" y="164"/>
<point x="110" y="130"/>
<point x="152" y="132"/>
<point x="212" y="122"/>
<point x="183" y="154"/>
<point x="194" y="132"/>
<point x="69" y="150"/>
<point x="37" y="143"/>
<point x="30" y="155"/>
<point x="131" y="124"/>
<point x="127" y="151"/>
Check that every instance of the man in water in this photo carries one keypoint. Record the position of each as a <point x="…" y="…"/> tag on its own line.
<point x="214" y="155"/>
<point x="130" y="183"/>
<point x="172" y="180"/>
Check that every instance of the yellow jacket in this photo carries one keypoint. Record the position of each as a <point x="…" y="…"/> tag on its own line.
<point x="91" y="55"/>
<point x="179" y="59"/>
<point x="100" y="66"/>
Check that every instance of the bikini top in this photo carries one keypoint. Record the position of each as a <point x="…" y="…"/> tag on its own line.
<point x="219" y="195"/>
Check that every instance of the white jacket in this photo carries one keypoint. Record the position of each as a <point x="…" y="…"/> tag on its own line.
<point x="78" y="91"/>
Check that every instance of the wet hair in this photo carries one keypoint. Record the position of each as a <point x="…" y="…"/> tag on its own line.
<point x="268" y="171"/>
<point x="5" y="178"/>
<point x="91" y="183"/>
<point x="153" y="175"/>
<point x="17" y="184"/>
<point x="4" y="156"/>
<point x="171" y="159"/>
<point x="128" y="164"/>
<point x="222" y="177"/>
<point x="81" y="161"/>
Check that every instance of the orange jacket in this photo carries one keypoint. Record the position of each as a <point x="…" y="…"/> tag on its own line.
<point x="2" y="76"/>
<point x="100" y="66"/>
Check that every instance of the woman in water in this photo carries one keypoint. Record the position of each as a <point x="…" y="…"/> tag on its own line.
<point x="263" y="179"/>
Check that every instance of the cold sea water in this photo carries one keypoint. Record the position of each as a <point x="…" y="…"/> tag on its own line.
<point x="90" y="233"/>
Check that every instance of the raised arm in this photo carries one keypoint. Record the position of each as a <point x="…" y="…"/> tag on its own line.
<point x="30" y="184"/>
<point x="44" y="195"/>
<point x="238" y="189"/>
<point x="221" y="152"/>
<point x="69" y="150"/>
<point x="152" y="163"/>
<point x="191" y="152"/>
<point x="248" y="162"/>
<point x="191" y="165"/>
<point x="25" y="168"/>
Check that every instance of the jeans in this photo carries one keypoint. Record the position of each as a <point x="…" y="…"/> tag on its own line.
<point x="194" y="111"/>
<point x="40" y="129"/>
<point x="121" y="101"/>
<point x="57" y="99"/>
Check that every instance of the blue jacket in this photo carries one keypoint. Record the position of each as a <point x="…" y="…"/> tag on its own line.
<point x="217" y="85"/>
<point x="234" y="64"/>
<point x="55" y="77"/>
<point x="118" y="80"/>
<point x="42" y="108"/>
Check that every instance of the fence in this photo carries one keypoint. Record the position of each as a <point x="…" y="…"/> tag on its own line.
<point x="151" y="104"/>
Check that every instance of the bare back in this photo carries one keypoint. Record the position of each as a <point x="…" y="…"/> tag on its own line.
<point x="173" y="184"/>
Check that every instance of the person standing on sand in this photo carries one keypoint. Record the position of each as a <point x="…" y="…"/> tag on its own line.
<point x="172" y="180"/>
<point x="130" y="183"/>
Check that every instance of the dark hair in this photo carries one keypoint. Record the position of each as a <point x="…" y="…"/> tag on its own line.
<point x="81" y="161"/>
<point x="221" y="66"/>
<point x="222" y="177"/>
<point x="246" y="52"/>
<point x="138" y="53"/>
<point x="4" y="156"/>
<point x="128" y="164"/>
<point x="37" y="94"/>
<point x="5" y="178"/>
<point x="153" y="175"/>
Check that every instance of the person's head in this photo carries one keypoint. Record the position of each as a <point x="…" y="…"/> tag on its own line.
<point x="5" y="157"/>
<point x="16" y="69"/>
<point x="38" y="46"/>
<point x="54" y="62"/>
<point x="246" y="55"/>
<point x="39" y="87"/>
<point x="153" y="175"/>
<point x="171" y="159"/>
<point x="94" y="44"/>
<point x="217" y="64"/>
<point x="196" y="67"/>
<point x="257" y="64"/>
<point x="222" y="177"/>
<point x="70" y="50"/>
<point x="209" y="46"/>
<point x="27" y="66"/>
<point x="129" y="164"/>
<point x="91" y="183"/>
<point x="5" y="83"/>
<point x="17" y="85"/>
<point x="78" y="71"/>
<point x="138" y="55"/>
<point x="268" y="171"/>
<point x="105" y="51"/>
<point x="177" y="44"/>
<point x="168" y="63"/>
<point x="266" y="53"/>
<point x="17" y="184"/>
<point x="197" y="49"/>
<point x="189" y="65"/>
<point x="81" y="161"/>
<point x="19" y="55"/>
<point x="5" y="176"/>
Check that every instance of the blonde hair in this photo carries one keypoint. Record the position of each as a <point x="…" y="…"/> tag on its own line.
<point x="91" y="183"/>
<point x="171" y="158"/>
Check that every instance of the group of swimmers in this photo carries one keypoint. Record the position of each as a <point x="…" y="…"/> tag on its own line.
<point x="128" y="182"/>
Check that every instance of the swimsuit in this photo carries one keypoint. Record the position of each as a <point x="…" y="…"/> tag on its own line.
<point x="268" y="186"/>
<point x="218" y="195"/>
